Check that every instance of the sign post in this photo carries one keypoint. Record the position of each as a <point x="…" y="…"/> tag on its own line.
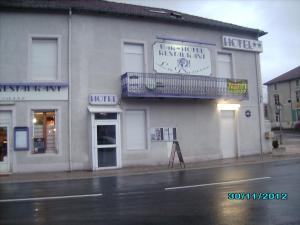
<point x="176" y="149"/>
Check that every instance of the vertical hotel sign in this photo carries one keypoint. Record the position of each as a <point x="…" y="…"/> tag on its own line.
<point x="181" y="59"/>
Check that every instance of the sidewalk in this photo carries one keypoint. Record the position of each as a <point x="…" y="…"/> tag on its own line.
<point x="56" y="176"/>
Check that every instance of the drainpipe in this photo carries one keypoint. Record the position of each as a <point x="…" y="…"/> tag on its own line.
<point x="258" y="79"/>
<point x="70" y="88"/>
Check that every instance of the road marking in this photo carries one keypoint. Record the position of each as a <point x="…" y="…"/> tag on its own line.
<point x="49" y="198"/>
<point x="219" y="183"/>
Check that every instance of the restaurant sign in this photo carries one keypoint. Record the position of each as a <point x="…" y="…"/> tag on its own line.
<point x="242" y="44"/>
<point x="237" y="87"/>
<point x="33" y="91"/>
<point x="181" y="59"/>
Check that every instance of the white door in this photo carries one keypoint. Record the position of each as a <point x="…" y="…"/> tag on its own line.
<point x="106" y="142"/>
<point x="228" y="134"/>
<point x="5" y="120"/>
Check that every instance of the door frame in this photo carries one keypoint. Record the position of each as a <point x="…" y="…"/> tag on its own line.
<point x="8" y="148"/>
<point x="95" y="123"/>
<point x="235" y="130"/>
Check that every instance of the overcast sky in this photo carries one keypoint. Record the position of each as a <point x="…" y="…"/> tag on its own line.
<point x="280" y="18"/>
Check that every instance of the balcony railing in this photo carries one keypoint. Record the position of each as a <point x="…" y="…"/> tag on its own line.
<point x="182" y="86"/>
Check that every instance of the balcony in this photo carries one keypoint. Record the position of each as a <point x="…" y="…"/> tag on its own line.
<point x="182" y="86"/>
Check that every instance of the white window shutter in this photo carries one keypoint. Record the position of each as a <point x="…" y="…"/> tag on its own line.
<point x="44" y="59"/>
<point x="135" y="123"/>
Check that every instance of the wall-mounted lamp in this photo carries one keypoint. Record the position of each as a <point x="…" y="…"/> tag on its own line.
<point x="228" y="106"/>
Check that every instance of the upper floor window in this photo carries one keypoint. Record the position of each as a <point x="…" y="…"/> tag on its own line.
<point x="297" y="83"/>
<point x="275" y="87"/>
<point x="224" y="65"/>
<point x="276" y="99"/>
<point x="297" y="96"/>
<point x="133" y="58"/>
<point x="44" y="59"/>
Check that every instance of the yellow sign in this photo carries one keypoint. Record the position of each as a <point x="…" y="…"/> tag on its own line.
<point x="237" y="86"/>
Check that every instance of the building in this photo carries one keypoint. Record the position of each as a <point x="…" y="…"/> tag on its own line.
<point x="284" y="99"/>
<point x="95" y="85"/>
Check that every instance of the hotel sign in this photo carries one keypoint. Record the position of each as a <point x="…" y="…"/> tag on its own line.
<point x="181" y="59"/>
<point x="103" y="99"/>
<point x="33" y="91"/>
<point x="242" y="44"/>
<point x="237" y="87"/>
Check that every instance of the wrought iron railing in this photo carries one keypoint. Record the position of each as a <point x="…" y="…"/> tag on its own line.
<point x="182" y="86"/>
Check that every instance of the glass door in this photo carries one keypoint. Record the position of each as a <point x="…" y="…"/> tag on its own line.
<point x="3" y="149"/>
<point x="106" y="143"/>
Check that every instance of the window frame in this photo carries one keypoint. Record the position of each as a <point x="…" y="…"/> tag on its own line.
<point x="275" y="102"/>
<point x="44" y="37"/>
<point x="232" y="63"/>
<point x="134" y="42"/>
<point x="57" y="132"/>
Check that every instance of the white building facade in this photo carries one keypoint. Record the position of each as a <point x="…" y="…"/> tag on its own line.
<point x="109" y="85"/>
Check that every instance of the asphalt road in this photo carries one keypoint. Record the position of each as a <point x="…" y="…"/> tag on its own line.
<point x="172" y="198"/>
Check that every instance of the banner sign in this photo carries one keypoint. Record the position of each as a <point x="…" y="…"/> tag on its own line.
<point x="237" y="87"/>
<point x="181" y="59"/>
<point x="103" y="99"/>
<point x="163" y="134"/>
<point x="33" y="91"/>
<point x="242" y="44"/>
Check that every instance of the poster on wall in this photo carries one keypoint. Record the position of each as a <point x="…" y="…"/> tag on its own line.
<point x="181" y="59"/>
<point x="21" y="139"/>
<point x="163" y="134"/>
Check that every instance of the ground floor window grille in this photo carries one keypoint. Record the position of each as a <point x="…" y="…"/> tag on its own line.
<point x="44" y="131"/>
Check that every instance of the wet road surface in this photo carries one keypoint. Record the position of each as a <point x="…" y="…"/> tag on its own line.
<point x="171" y="198"/>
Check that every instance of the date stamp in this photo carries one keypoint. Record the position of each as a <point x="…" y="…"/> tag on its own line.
<point x="257" y="196"/>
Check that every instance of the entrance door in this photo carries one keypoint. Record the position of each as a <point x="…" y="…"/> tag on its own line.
<point x="107" y="146"/>
<point x="228" y="134"/>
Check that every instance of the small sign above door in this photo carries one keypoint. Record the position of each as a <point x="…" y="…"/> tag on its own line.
<point x="103" y="99"/>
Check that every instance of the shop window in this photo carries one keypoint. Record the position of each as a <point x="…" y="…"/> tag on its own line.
<point x="44" y="131"/>
<point x="135" y="125"/>
<point x="133" y="58"/>
<point x="44" y="59"/>
<point x="224" y="65"/>
<point x="276" y="99"/>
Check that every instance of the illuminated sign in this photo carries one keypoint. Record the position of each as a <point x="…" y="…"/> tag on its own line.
<point x="181" y="59"/>
<point x="242" y="44"/>
<point x="237" y="87"/>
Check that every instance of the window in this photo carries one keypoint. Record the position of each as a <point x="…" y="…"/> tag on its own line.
<point x="275" y="87"/>
<point x="44" y="59"/>
<point x="297" y="83"/>
<point x="135" y="123"/>
<point x="44" y="131"/>
<point x="297" y="96"/>
<point x="133" y="58"/>
<point x="277" y="117"/>
<point x="276" y="99"/>
<point x="224" y="65"/>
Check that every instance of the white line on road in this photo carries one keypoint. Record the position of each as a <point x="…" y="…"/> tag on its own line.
<point x="219" y="183"/>
<point x="49" y="198"/>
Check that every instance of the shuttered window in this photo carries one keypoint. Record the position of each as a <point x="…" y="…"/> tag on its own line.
<point x="224" y="65"/>
<point x="135" y="123"/>
<point x="44" y="59"/>
<point x="133" y="58"/>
